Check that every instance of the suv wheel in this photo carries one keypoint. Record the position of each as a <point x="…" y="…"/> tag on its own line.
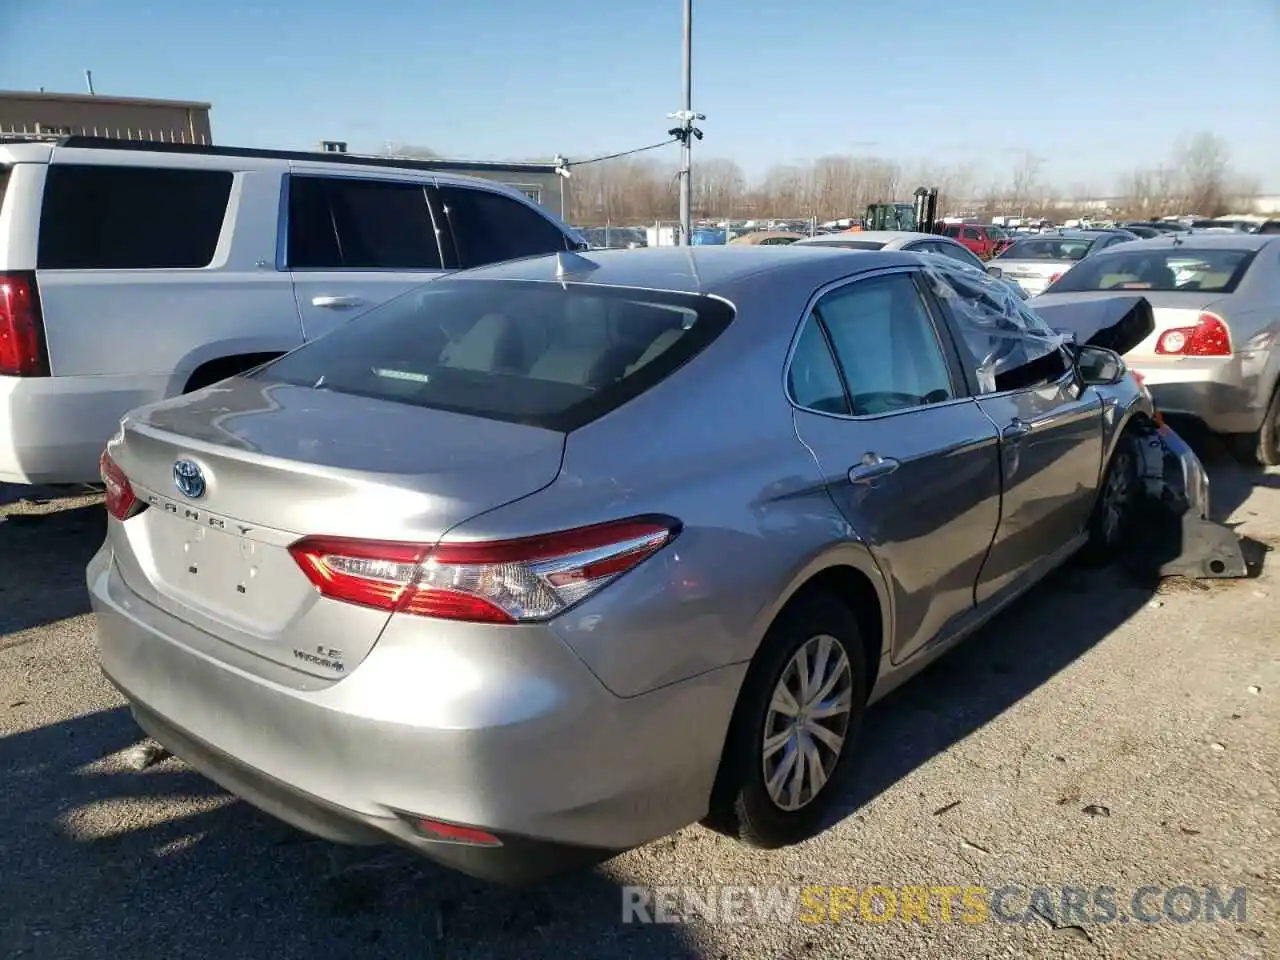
<point x="794" y="727"/>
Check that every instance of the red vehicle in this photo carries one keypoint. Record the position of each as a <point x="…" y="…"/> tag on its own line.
<point x="983" y="240"/>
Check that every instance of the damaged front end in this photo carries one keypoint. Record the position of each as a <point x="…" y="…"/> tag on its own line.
<point x="1173" y="535"/>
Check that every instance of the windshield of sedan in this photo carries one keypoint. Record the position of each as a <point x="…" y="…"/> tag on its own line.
<point x="541" y="354"/>
<point x="1049" y="248"/>
<point x="1168" y="270"/>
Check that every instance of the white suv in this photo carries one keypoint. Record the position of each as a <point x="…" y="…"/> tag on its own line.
<point x="131" y="272"/>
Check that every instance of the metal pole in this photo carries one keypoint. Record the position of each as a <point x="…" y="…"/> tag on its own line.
<point x="686" y="171"/>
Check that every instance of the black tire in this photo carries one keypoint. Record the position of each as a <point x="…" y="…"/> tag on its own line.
<point x="741" y="803"/>
<point x="1262" y="447"/>
<point x="1119" y="500"/>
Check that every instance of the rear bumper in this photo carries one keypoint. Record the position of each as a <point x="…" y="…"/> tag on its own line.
<point x="1215" y="392"/>
<point x="52" y="429"/>
<point x="521" y="741"/>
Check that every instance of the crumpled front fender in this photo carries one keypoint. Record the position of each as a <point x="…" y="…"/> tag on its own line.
<point x="1175" y="535"/>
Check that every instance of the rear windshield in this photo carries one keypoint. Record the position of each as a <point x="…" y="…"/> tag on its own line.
<point x="1169" y="270"/>
<point x="541" y="354"/>
<point x="1049" y="248"/>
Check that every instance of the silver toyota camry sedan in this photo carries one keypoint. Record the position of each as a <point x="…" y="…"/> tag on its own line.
<point x="542" y="561"/>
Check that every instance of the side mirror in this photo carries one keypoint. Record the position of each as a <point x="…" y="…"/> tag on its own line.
<point x="995" y="272"/>
<point x="1098" y="366"/>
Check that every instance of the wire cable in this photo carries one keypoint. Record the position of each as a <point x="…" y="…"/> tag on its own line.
<point x="624" y="153"/>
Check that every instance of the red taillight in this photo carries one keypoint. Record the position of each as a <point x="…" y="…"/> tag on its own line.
<point x="1208" y="338"/>
<point x="504" y="581"/>
<point x="22" y="352"/>
<point x="454" y="833"/>
<point x="122" y="503"/>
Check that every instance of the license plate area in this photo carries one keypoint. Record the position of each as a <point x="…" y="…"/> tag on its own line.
<point x="206" y="563"/>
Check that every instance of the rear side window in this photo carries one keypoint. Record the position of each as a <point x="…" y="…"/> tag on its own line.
<point x="346" y="224"/>
<point x="130" y="218"/>
<point x="4" y="182"/>
<point x="534" y="353"/>
<point x="489" y="228"/>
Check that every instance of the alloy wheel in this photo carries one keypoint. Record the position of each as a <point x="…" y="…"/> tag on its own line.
<point x="807" y="722"/>
<point x="1117" y="495"/>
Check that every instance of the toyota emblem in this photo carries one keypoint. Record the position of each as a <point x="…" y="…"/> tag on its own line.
<point x="189" y="479"/>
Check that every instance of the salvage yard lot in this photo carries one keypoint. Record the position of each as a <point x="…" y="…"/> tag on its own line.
<point x="1154" y="707"/>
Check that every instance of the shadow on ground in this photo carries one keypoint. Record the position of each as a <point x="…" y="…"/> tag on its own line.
<point x="42" y="561"/>
<point x="228" y="882"/>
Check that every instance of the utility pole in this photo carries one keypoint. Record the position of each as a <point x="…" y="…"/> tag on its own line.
<point x="686" y="131"/>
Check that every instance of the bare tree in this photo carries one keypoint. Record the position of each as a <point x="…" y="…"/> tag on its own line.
<point x="642" y="189"/>
<point x="718" y="187"/>
<point x="1204" y="164"/>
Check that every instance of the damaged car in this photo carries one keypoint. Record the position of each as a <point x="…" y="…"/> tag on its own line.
<point x="542" y="561"/>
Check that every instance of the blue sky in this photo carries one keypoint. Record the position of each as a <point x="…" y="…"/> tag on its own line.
<point x="1095" y="87"/>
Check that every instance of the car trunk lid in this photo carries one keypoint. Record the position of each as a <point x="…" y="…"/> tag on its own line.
<point x="280" y="462"/>
<point x="1169" y="310"/>
<point x="1032" y="275"/>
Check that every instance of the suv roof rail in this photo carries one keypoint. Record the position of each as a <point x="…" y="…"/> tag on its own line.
<point x="356" y="159"/>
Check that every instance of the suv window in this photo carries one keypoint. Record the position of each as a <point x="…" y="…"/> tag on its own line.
<point x="130" y="218"/>
<point x="952" y="231"/>
<point x="885" y="344"/>
<point x="971" y="234"/>
<point x="337" y="223"/>
<point x="533" y="353"/>
<point x="488" y="227"/>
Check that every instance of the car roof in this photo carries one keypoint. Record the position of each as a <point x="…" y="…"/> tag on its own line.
<point x="1068" y="235"/>
<point x="875" y="236"/>
<point x="697" y="269"/>
<point x="1201" y="241"/>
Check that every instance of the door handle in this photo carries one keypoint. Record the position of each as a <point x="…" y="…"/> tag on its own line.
<point x="872" y="467"/>
<point x="336" y="303"/>
<point x="1015" y="429"/>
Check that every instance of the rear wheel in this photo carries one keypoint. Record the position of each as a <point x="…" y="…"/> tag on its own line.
<point x="1264" y="446"/>
<point x="795" y="724"/>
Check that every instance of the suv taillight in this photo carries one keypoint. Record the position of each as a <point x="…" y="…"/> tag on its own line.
<point x="1208" y="338"/>
<point x="22" y="350"/>
<point x="502" y="581"/>
<point x="122" y="502"/>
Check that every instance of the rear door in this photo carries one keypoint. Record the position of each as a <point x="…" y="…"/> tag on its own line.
<point x="908" y="456"/>
<point x="486" y="226"/>
<point x="355" y="241"/>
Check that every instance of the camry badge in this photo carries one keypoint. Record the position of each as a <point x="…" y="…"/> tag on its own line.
<point x="189" y="479"/>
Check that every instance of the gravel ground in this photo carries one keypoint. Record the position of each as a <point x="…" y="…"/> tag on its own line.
<point x="1101" y="732"/>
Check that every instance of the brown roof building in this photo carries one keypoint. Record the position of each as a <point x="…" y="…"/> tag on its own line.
<point x="26" y="114"/>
